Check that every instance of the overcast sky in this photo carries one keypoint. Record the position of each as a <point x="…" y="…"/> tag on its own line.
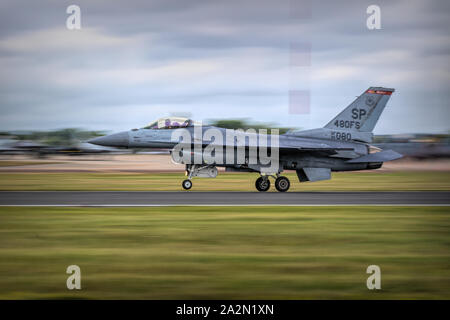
<point x="137" y="60"/>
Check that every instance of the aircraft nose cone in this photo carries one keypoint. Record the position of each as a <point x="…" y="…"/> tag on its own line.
<point x="120" y="139"/>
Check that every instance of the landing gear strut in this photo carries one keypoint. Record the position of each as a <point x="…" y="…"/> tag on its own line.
<point x="187" y="184"/>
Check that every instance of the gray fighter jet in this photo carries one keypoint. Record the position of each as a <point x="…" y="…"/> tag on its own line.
<point x="342" y="145"/>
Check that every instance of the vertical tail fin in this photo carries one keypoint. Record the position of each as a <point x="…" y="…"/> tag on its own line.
<point x="363" y="113"/>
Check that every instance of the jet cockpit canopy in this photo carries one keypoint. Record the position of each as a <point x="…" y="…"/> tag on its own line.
<point x="170" y="123"/>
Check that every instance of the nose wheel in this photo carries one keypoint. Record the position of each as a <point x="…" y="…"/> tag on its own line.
<point x="186" y="184"/>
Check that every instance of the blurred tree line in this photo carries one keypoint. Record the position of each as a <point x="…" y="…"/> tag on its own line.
<point x="62" y="137"/>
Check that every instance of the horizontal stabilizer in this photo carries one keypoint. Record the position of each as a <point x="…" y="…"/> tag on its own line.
<point x="383" y="156"/>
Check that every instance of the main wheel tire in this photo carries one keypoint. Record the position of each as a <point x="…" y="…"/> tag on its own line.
<point x="282" y="184"/>
<point x="187" y="184"/>
<point x="262" y="184"/>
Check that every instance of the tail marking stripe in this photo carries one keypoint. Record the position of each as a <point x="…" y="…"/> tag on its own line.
<point x="388" y="93"/>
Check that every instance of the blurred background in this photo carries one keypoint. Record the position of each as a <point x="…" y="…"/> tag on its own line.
<point x="285" y="64"/>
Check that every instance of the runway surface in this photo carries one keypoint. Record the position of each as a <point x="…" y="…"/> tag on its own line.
<point x="144" y="198"/>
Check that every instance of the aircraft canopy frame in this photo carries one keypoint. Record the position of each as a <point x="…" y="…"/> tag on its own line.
<point x="170" y="123"/>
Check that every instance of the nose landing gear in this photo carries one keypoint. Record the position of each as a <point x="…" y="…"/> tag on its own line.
<point x="201" y="171"/>
<point x="186" y="184"/>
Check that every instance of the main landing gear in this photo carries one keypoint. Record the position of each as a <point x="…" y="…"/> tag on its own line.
<point x="282" y="183"/>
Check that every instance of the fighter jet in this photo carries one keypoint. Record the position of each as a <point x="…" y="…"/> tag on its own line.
<point x="343" y="144"/>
